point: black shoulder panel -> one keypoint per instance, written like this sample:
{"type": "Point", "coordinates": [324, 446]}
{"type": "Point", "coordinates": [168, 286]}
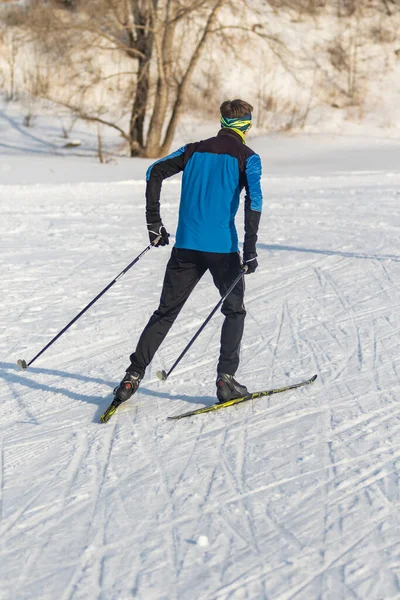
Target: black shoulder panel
{"type": "Point", "coordinates": [226, 142]}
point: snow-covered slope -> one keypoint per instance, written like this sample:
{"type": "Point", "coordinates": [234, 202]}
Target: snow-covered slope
{"type": "Point", "coordinates": [293, 496]}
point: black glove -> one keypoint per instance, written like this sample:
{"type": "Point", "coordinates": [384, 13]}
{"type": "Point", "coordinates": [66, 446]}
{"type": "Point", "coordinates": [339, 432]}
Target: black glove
{"type": "Point", "coordinates": [156, 229]}
{"type": "Point", "coordinates": [250, 261]}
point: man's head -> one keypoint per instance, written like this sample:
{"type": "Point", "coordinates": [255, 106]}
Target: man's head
{"type": "Point", "coordinates": [235, 109]}
{"type": "Point", "coordinates": [236, 115]}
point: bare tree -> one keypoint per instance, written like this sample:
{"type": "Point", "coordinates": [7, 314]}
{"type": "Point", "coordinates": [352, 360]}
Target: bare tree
{"type": "Point", "coordinates": [129, 64]}
{"type": "Point", "coordinates": [11, 41]}
{"type": "Point", "coordinates": [149, 33]}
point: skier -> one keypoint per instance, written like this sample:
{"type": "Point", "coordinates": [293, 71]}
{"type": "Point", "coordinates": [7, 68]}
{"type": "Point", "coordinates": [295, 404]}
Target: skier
{"type": "Point", "coordinates": [214, 173]}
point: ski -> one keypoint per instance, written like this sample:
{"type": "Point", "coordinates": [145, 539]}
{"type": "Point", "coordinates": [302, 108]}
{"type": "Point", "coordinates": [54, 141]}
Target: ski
{"type": "Point", "coordinates": [108, 413]}
{"type": "Point", "coordinates": [251, 396]}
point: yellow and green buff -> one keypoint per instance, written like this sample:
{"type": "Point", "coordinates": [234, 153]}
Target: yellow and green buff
{"type": "Point", "coordinates": [239, 124]}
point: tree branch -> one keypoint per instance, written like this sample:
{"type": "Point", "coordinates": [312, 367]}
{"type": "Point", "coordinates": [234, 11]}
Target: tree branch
{"type": "Point", "coordinates": [86, 117]}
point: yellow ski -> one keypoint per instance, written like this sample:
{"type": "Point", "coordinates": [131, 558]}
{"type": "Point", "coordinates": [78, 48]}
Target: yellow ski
{"type": "Point", "coordinates": [108, 413]}
{"type": "Point", "coordinates": [252, 396]}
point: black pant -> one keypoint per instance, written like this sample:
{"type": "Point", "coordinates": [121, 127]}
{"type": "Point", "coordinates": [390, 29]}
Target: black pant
{"type": "Point", "coordinates": [184, 270]}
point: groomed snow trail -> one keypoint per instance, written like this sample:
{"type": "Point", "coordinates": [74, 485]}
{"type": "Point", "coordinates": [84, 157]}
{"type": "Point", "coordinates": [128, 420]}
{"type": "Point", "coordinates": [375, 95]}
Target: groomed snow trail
{"type": "Point", "coordinates": [295, 496]}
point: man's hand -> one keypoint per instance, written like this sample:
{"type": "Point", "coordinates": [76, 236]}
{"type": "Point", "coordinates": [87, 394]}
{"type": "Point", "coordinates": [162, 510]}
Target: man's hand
{"type": "Point", "coordinates": [155, 230]}
{"type": "Point", "coordinates": [250, 261]}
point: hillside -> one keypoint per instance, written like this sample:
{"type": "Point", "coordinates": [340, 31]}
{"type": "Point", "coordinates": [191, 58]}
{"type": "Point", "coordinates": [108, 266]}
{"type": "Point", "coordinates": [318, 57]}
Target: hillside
{"type": "Point", "coordinates": [316, 67]}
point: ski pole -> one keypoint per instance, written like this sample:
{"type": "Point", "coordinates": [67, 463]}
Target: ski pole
{"type": "Point", "coordinates": [163, 375]}
{"type": "Point", "coordinates": [24, 365]}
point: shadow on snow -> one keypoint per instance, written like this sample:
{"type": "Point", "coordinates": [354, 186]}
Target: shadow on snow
{"type": "Point", "coordinates": [12, 374]}
{"type": "Point", "coordinates": [280, 248]}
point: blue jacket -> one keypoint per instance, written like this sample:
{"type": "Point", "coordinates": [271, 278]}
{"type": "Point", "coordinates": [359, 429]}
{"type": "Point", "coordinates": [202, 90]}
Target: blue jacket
{"type": "Point", "coordinates": [215, 171]}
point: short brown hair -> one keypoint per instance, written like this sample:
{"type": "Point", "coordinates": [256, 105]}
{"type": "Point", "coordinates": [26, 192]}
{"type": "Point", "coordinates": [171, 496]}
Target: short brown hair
{"type": "Point", "coordinates": [231, 109]}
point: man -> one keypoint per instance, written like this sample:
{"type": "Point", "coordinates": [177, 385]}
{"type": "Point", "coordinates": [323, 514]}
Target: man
{"type": "Point", "coordinates": [214, 173]}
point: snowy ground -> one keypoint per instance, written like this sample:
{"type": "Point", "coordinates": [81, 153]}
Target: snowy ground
{"type": "Point", "coordinates": [295, 496]}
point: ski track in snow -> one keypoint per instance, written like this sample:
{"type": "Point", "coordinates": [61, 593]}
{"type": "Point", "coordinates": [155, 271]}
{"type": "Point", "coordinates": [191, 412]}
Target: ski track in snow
{"type": "Point", "coordinates": [298, 494]}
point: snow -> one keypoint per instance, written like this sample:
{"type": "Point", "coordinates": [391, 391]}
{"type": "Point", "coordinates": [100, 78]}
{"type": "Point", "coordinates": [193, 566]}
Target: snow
{"type": "Point", "coordinates": [295, 496]}
{"type": "Point", "coordinates": [203, 541]}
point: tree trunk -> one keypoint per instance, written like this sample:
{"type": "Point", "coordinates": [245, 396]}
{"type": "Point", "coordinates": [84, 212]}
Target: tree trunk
{"type": "Point", "coordinates": [184, 84]}
{"type": "Point", "coordinates": [136, 125]}
{"type": "Point", "coordinates": [144, 44]}
{"type": "Point", "coordinates": [164, 49]}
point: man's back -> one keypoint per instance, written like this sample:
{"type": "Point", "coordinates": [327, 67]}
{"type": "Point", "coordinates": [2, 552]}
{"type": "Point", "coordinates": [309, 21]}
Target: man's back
{"type": "Point", "coordinates": [213, 177]}
{"type": "Point", "coordinates": [214, 173]}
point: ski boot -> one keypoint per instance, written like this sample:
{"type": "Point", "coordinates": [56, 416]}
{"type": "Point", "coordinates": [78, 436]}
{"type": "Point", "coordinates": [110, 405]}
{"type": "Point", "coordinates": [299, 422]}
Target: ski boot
{"type": "Point", "coordinates": [228, 388]}
{"type": "Point", "coordinates": [128, 386]}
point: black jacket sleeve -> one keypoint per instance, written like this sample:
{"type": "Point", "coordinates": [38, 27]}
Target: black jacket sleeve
{"type": "Point", "coordinates": [156, 173]}
{"type": "Point", "coordinates": [251, 224]}
{"type": "Point", "coordinates": [253, 203]}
